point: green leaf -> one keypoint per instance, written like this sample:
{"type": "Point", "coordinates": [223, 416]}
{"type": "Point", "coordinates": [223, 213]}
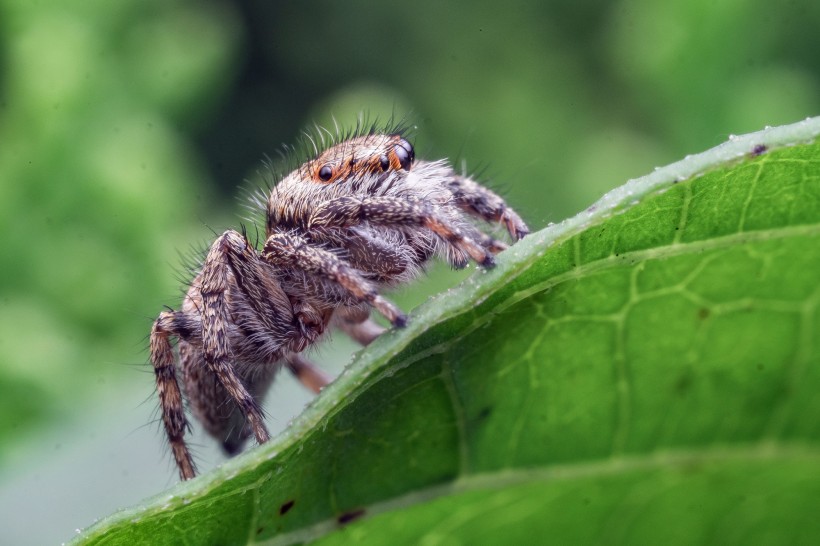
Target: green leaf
{"type": "Point", "coordinates": [643, 372]}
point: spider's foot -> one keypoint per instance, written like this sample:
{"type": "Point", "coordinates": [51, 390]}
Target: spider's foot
{"type": "Point", "coordinates": [400, 321]}
{"type": "Point", "coordinates": [488, 262]}
{"type": "Point", "coordinates": [391, 312]}
{"type": "Point", "coordinates": [495, 246]}
{"type": "Point", "coordinates": [516, 227]}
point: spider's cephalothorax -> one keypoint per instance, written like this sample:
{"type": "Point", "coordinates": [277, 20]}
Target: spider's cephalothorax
{"type": "Point", "coordinates": [358, 217]}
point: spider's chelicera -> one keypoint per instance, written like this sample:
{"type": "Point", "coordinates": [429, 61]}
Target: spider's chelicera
{"type": "Point", "coordinates": [360, 216]}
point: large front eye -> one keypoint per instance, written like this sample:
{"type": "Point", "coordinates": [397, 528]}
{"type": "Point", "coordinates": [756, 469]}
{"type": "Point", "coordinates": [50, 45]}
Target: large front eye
{"type": "Point", "coordinates": [326, 173]}
{"type": "Point", "coordinates": [405, 154]}
{"type": "Point", "coordinates": [384, 162]}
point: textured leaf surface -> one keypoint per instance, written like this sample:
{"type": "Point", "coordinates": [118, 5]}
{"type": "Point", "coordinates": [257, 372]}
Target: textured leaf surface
{"type": "Point", "coordinates": [646, 371]}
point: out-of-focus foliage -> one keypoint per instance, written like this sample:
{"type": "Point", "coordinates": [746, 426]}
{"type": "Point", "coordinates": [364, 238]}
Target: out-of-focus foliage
{"type": "Point", "coordinates": [126, 126]}
{"type": "Point", "coordinates": [96, 168]}
{"type": "Point", "coordinates": [559, 100]}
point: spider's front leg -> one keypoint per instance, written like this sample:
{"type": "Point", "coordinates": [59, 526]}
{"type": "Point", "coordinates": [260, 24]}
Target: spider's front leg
{"type": "Point", "coordinates": [479, 201]}
{"type": "Point", "coordinates": [292, 250]}
{"type": "Point", "coordinates": [392, 211]}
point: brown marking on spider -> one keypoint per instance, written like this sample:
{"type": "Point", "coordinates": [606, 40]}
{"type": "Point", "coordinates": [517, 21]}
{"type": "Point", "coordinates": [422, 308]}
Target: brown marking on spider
{"type": "Point", "coordinates": [361, 216]}
{"type": "Point", "coordinates": [367, 154]}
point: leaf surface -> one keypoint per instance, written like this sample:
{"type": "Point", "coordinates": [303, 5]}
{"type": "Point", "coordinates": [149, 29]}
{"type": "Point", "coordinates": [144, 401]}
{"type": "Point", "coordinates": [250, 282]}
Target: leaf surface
{"type": "Point", "coordinates": [643, 372]}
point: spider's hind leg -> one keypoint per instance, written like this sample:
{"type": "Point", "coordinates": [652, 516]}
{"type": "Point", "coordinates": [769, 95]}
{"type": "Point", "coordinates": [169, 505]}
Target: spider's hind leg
{"type": "Point", "coordinates": [170, 396]}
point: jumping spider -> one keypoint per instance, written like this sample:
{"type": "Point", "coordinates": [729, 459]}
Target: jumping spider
{"type": "Point", "coordinates": [361, 216]}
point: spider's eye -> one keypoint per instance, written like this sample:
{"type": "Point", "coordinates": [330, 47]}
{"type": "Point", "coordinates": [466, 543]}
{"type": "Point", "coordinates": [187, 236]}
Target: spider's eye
{"type": "Point", "coordinates": [326, 173]}
{"type": "Point", "coordinates": [405, 154]}
{"type": "Point", "coordinates": [384, 162]}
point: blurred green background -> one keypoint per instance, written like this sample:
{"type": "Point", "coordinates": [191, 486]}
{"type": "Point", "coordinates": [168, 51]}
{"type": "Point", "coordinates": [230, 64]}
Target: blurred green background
{"type": "Point", "coordinates": [126, 128]}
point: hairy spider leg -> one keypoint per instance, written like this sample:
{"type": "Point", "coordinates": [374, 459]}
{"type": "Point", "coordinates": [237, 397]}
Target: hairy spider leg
{"type": "Point", "coordinates": [479, 201]}
{"type": "Point", "coordinates": [170, 397]}
{"type": "Point", "coordinates": [347, 211]}
{"type": "Point", "coordinates": [357, 324]}
{"type": "Point", "coordinates": [291, 250]}
{"type": "Point", "coordinates": [306, 372]}
{"type": "Point", "coordinates": [215, 343]}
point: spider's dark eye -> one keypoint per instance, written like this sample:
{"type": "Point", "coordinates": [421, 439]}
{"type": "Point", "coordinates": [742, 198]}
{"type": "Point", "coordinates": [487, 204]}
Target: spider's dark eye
{"type": "Point", "coordinates": [384, 162]}
{"type": "Point", "coordinates": [405, 154]}
{"type": "Point", "coordinates": [326, 173]}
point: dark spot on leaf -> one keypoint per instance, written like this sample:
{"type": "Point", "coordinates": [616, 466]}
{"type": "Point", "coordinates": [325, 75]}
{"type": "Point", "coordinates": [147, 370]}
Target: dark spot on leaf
{"type": "Point", "coordinates": [285, 507]}
{"type": "Point", "coordinates": [760, 367]}
{"type": "Point", "coordinates": [259, 531]}
{"type": "Point", "coordinates": [703, 313]}
{"type": "Point", "coordinates": [484, 413]}
{"type": "Point", "coordinates": [760, 149]}
{"type": "Point", "coordinates": [353, 515]}
{"type": "Point", "coordinates": [587, 501]}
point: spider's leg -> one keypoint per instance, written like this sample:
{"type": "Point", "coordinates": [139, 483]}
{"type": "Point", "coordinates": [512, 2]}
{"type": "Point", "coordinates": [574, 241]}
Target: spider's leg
{"type": "Point", "coordinates": [306, 372]}
{"type": "Point", "coordinates": [362, 332]}
{"type": "Point", "coordinates": [357, 324]}
{"type": "Point", "coordinates": [173, 411]}
{"type": "Point", "coordinates": [263, 322]}
{"type": "Point", "coordinates": [209, 401]}
{"type": "Point", "coordinates": [353, 321]}
{"type": "Point", "coordinates": [292, 250]}
{"type": "Point", "coordinates": [383, 260]}
{"type": "Point", "coordinates": [215, 321]}
{"type": "Point", "coordinates": [477, 200]}
{"type": "Point", "coordinates": [393, 211]}
{"type": "Point", "coordinates": [493, 245]}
